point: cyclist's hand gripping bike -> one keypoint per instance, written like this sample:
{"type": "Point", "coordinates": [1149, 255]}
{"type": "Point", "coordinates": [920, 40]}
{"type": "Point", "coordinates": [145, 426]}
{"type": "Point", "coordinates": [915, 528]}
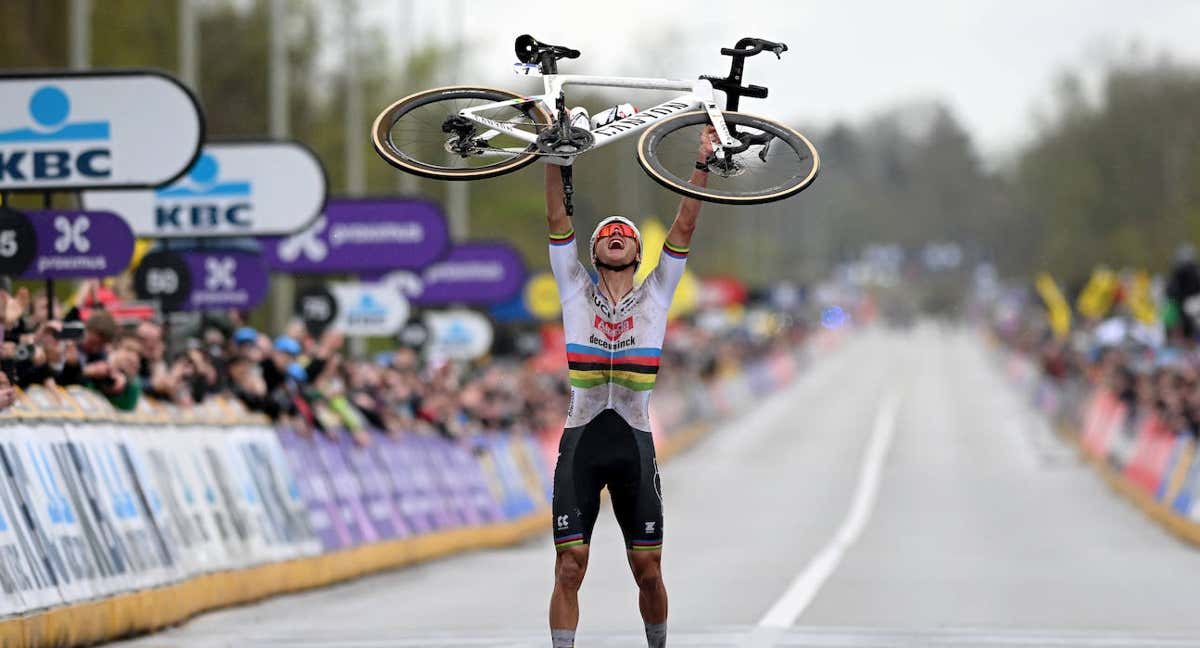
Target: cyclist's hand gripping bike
{"type": "Point", "coordinates": [471, 133]}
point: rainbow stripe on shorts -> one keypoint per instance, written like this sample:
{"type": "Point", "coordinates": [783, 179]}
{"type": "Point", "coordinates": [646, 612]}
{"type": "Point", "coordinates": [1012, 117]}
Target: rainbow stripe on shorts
{"type": "Point", "coordinates": [568, 541]}
{"type": "Point", "coordinates": [646, 545]}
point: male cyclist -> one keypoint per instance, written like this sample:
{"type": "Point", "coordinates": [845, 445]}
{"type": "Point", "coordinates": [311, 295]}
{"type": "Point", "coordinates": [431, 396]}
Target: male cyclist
{"type": "Point", "coordinates": [614, 332]}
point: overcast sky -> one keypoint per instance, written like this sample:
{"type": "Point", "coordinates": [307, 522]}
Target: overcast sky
{"type": "Point", "coordinates": [993, 61]}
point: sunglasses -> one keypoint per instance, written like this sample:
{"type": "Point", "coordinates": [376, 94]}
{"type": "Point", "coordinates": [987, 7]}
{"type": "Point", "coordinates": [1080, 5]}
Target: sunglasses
{"type": "Point", "coordinates": [613, 229]}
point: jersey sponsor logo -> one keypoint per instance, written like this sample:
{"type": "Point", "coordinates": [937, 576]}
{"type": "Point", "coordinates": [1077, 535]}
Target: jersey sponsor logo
{"type": "Point", "coordinates": [614, 330]}
{"type": "Point", "coordinates": [612, 346]}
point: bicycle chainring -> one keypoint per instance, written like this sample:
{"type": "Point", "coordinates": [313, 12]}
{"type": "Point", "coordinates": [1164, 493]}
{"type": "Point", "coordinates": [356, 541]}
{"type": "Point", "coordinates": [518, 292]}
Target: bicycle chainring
{"type": "Point", "coordinates": [577, 140]}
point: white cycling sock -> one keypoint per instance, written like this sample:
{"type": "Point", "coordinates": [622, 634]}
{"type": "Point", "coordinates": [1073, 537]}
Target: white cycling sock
{"type": "Point", "coordinates": [562, 638]}
{"type": "Point", "coordinates": [656, 635]}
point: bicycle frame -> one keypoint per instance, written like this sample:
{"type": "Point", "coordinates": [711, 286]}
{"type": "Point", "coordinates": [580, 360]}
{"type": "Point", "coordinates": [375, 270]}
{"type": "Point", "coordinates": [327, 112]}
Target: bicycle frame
{"type": "Point", "coordinates": [699, 94]}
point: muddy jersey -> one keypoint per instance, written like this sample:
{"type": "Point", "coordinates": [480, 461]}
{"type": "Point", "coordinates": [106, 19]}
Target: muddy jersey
{"type": "Point", "coordinates": [612, 351]}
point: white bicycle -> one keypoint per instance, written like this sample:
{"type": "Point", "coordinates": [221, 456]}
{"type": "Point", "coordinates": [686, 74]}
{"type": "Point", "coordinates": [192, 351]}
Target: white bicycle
{"type": "Point", "coordinates": [472, 133]}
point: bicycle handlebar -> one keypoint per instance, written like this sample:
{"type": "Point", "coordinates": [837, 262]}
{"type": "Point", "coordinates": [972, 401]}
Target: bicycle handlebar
{"type": "Point", "coordinates": [752, 46]}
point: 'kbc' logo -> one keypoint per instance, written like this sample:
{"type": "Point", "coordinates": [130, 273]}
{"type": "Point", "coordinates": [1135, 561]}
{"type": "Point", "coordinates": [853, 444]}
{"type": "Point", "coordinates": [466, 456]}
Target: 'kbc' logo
{"type": "Point", "coordinates": [202, 200]}
{"type": "Point", "coordinates": [53, 148]}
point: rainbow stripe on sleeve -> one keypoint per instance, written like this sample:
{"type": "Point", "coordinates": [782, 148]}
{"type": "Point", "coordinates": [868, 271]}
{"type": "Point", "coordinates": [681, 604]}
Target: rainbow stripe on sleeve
{"type": "Point", "coordinates": [635, 369]}
{"type": "Point", "coordinates": [562, 239]}
{"type": "Point", "coordinates": [675, 251]}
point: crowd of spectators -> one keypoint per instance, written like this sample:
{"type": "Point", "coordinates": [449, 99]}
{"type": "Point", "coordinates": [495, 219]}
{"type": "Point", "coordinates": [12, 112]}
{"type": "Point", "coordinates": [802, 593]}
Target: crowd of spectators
{"type": "Point", "coordinates": [309, 381]}
{"type": "Point", "coordinates": [1153, 368]}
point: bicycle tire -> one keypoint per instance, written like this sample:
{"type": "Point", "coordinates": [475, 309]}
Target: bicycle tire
{"type": "Point", "coordinates": [395, 156]}
{"type": "Point", "coordinates": [651, 139]}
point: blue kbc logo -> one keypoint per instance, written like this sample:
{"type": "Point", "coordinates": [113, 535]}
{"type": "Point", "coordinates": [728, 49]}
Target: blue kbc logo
{"type": "Point", "coordinates": [202, 200]}
{"type": "Point", "coordinates": [54, 149]}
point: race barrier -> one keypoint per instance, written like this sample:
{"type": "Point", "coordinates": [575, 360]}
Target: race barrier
{"type": "Point", "coordinates": [1135, 452]}
{"type": "Point", "coordinates": [113, 524]}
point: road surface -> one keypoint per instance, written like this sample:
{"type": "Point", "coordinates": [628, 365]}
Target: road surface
{"type": "Point", "coordinates": [900, 493]}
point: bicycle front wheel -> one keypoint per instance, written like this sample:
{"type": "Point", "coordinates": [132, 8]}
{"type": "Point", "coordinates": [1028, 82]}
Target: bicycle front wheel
{"type": "Point", "coordinates": [777, 162]}
{"type": "Point", "coordinates": [421, 134]}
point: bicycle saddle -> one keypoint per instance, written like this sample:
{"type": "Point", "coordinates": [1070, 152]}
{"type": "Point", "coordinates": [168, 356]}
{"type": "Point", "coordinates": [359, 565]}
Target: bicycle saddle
{"type": "Point", "coordinates": [530, 50]}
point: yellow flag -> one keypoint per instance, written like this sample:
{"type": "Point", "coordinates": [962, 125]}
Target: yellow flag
{"type": "Point", "coordinates": [541, 296]}
{"type": "Point", "coordinates": [1141, 302]}
{"type": "Point", "coordinates": [1097, 297]}
{"type": "Point", "coordinates": [687, 293]}
{"type": "Point", "coordinates": [1056, 304]}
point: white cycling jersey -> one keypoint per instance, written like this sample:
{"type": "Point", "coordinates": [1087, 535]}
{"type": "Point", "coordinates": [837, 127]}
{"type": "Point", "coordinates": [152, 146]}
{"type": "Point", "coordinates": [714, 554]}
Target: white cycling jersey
{"type": "Point", "coordinates": [612, 352]}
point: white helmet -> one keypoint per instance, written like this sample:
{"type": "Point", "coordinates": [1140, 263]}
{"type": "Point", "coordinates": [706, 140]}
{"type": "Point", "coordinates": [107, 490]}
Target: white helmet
{"type": "Point", "coordinates": [616, 219]}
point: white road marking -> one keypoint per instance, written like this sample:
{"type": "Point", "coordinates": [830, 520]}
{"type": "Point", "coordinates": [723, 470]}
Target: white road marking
{"type": "Point", "coordinates": [806, 585]}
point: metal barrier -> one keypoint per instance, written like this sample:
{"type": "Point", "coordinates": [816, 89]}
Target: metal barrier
{"type": "Point", "coordinates": [114, 523]}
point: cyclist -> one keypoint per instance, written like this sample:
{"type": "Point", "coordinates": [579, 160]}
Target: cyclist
{"type": "Point", "coordinates": [614, 334]}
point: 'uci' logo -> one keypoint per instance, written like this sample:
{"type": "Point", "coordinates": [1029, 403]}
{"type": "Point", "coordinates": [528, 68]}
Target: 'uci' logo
{"type": "Point", "coordinates": [54, 148]}
{"type": "Point", "coordinates": [202, 200]}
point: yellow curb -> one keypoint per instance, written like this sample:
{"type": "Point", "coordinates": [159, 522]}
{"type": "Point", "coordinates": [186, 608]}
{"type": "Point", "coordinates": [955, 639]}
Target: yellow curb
{"type": "Point", "coordinates": [1165, 516]}
{"type": "Point", "coordinates": [153, 609]}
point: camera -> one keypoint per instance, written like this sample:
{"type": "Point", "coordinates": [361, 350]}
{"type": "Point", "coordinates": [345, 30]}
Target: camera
{"type": "Point", "coordinates": [24, 353]}
{"type": "Point", "coordinates": [71, 331]}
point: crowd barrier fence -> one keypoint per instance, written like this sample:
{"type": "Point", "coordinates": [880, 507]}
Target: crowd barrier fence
{"type": "Point", "coordinates": [1135, 452]}
{"type": "Point", "coordinates": [117, 523]}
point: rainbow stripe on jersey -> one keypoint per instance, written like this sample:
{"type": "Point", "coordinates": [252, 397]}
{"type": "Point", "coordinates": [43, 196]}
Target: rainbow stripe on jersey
{"type": "Point", "coordinates": [635, 369]}
{"type": "Point", "coordinates": [566, 238]}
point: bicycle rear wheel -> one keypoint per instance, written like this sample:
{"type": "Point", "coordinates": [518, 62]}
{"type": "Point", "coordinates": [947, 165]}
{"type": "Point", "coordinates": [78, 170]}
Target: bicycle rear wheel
{"type": "Point", "coordinates": [409, 134]}
{"type": "Point", "coordinates": [781, 164]}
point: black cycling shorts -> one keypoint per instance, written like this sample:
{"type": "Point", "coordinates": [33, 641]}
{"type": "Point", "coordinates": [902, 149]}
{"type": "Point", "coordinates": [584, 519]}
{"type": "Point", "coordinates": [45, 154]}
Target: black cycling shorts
{"type": "Point", "coordinates": [607, 452]}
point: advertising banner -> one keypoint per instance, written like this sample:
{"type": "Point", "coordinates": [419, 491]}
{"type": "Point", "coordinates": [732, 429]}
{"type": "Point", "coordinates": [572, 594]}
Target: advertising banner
{"type": "Point", "coordinates": [376, 492]}
{"type": "Point", "coordinates": [324, 515]}
{"type": "Point", "coordinates": [18, 242]}
{"type": "Point", "coordinates": [368, 309]}
{"type": "Point", "coordinates": [472, 273]}
{"type": "Point", "coordinates": [362, 236]}
{"type": "Point", "coordinates": [457, 335]}
{"type": "Point", "coordinates": [233, 189]}
{"type": "Point", "coordinates": [95, 130]}
{"type": "Point", "coordinates": [222, 279]}
{"type": "Point", "coordinates": [55, 523]}
{"type": "Point", "coordinates": [346, 489]}
{"type": "Point", "coordinates": [78, 244]}
{"type": "Point", "coordinates": [407, 498]}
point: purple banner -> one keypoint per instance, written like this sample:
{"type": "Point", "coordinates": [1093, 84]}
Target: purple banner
{"type": "Point", "coordinates": [473, 273]}
{"type": "Point", "coordinates": [376, 491]}
{"type": "Point", "coordinates": [345, 489]}
{"type": "Point", "coordinates": [224, 279]}
{"type": "Point", "coordinates": [415, 507]}
{"type": "Point", "coordinates": [323, 511]}
{"type": "Point", "coordinates": [73, 243]}
{"type": "Point", "coordinates": [364, 236]}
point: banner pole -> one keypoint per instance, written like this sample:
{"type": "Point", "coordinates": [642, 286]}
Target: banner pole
{"type": "Point", "coordinates": [46, 200]}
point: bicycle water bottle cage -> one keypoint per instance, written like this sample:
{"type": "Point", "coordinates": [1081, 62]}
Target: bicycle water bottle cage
{"type": "Point", "coordinates": [731, 85]}
{"type": "Point", "coordinates": [530, 50]}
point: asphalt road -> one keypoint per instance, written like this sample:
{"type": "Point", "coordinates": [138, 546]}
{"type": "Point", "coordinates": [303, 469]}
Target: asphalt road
{"type": "Point", "coordinates": [900, 493]}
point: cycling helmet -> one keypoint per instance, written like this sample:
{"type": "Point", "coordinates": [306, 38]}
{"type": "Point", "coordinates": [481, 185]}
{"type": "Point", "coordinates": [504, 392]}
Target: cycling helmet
{"type": "Point", "coordinates": [637, 261]}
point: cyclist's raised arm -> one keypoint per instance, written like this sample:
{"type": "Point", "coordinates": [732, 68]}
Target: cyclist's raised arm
{"type": "Point", "coordinates": [569, 273]}
{"type": "Point", "coordinates": [556, 212]}
{"type": "Point", "coordinates": [680, 235]}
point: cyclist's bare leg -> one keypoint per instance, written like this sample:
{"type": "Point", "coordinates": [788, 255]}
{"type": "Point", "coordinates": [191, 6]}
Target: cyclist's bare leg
{"type": "Point", "coordinates": [569, 567]}
{"type": "Point", "coordinates": [652, 594]}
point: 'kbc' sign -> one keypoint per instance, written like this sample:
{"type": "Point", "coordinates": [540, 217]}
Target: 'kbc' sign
{"type": "Point", "coordinates": [233, 189]}
{"type": "Point", "coordinates": [95, 130]}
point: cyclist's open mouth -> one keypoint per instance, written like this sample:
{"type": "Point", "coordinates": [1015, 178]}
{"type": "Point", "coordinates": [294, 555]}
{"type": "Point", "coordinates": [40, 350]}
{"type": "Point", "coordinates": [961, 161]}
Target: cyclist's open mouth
{"type": "Point", "coordinates": [616, 244]}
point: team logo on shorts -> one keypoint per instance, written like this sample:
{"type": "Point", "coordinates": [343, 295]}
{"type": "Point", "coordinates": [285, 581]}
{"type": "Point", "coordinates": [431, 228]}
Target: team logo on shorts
{"type": "Point", "coordinates": [649, 527]}
{"type": "Point", "coordinates": [614, 330]}
{"type": "Point", "coordinates": [561, 521]}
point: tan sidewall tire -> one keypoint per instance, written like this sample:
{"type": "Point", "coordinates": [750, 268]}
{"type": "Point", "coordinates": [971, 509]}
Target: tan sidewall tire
{"type": "Point", "coordinates": [384, 122]}
{"type": "Point", "coordinates": [687, 190]}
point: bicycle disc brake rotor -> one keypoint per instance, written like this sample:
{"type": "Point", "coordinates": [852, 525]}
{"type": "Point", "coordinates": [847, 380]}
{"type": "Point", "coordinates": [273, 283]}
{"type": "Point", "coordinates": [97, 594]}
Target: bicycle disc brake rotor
{"type": "Point", "coordinates": [463, 142]}
{"type": "Point", "coordinates": [576, 141]}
